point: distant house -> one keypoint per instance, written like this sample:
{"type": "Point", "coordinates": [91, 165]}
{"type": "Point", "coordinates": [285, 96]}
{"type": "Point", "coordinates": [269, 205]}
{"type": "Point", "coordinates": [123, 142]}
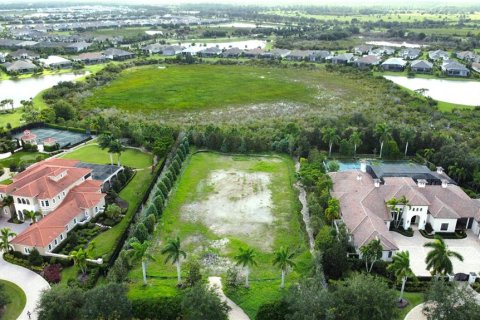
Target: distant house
{"type": "Point", "coordinates": [275, 54]}
{"type": "Point", "coordinates": [57, 62]}
{"type": "Point", "coordinates": [253, 53]}
{"type": "Point", "coordinates": [3, 55]}
{"type": "Point", "coordinates": [438, 55]}
{"type": "Point", "coordinates": [232, 53]}
{"type": "Point", "coordinates": [466, 56]}
{"type": "Point", "coordinates": [421, 66]}
{"type": "Point", "coordinates": [410, 53]}
{"type": "Point", "coordinates": [211, 52]}
{"type": "Point", "coordinates": [383, 51]}
{"type": "Point", "coordinates": [118, 54]}
{"type": "Point", "coordinates": [367, 61]}
{"type": "Point", "coordinates": [77, 46]}
{"type": "Point", "coordinates": [24, 54]}
{"type": "Point", "coordinates": [172, 50]}
{"type": "Point", "coordinates": [153, 48]}
{"type": "Point", "coordinates": [394, 64]}
{"type": "Point", "coordinates": [20, 66]}
{"type": "Point", "coordinates": [320, 55]}
{"type": "Point", "coordinates": [454, 68]}
{"type": "Point", "coordinates": [343, 58]}
{"type": "Point", "coordinates": [90, 58]}
{"type": "Point", "coordinates": [476, 67]}
{"type": "Point", "coordinates": [362, 49]}
{"type": "Point", "coordinates": [9, 43]}
{"type": "Point", "coordinates": [299, 55]}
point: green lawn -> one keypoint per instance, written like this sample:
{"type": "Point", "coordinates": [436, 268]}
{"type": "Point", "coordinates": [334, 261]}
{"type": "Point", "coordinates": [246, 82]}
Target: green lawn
{"type": "Point", "coordinates": [23, 156]}
{"type": "Point", "coordinates": [17, 300]}
{"type": "Point", "coordinates": [133, 194]}
{"type": "Point", "coordinates": [198, 236]}
{"type": "Point", "coordinates": [14, 119]}
{"type": "Point", "coordinates": [200, 86]}
{"type": "Point", "coordinates": [414, 298]}
{"type": "Point", "coordinates": [93, 154]}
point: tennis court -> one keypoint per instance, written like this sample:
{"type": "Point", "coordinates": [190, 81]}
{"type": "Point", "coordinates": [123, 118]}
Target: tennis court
{"type": "Point", "coordinates": [62, 137]}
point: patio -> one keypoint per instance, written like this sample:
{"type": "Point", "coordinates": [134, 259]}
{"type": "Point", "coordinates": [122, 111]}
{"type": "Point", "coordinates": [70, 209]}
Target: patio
{"type": "Point", "coordinates": [17, 228]}
{"type": "Point", "coordinates": [469, 248]}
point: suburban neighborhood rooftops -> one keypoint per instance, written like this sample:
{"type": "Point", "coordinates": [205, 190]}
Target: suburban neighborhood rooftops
{"type": "Point", "coordinates": [395, 61]}
{"type": "Point", "coordinates": [454, 65]}
{"type": "Point", "coordinates": [52, 60]}
{"type": "Point", "coordinates": [410, 169]}
{"type": "Point", "coordinates": [19, 65]}
{"type": "Point", "coordinates": [421, 64]}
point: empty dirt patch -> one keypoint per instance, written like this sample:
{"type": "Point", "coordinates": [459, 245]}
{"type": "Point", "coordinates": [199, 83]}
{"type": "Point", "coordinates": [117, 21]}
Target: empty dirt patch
{"type": "Point", "coordinates": [237, 203]}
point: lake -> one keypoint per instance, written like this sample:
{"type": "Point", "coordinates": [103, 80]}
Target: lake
{"type": "Point", "coordinates": [248, 25]}
{"type": "Point", "coordinates": [453, 91]}
{"type": "Point", "coordinates": [24, 89]}
{"type": "Point", "coordinates": [395, 44]}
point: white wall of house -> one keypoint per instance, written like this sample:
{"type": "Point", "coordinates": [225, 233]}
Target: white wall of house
{"type": "Point", "coordinates": [25, 203]}
{"type": "Point", "coordinates": [412, 211]}
{"type": "Point", "coordinates": [442, 225]}
{"type": "Point", "coordinates": [476, 227]}
{"type": "Point", "coordinates": [387, 255]}
{"type": "Point", "coordinates": [54, 202]}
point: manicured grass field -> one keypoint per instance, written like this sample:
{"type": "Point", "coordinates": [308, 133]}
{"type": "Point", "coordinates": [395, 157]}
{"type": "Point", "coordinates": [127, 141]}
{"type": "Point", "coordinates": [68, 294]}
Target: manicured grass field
{"type": "Point", "coordinates": [17, 301]}
{"type": "Point", "coordinates": [200, 86]}
{"type": "Point", "coordinates": [414, 299]}
{"type": "Point", "coordinates": [93, 154]}
{"type": "Point", "coordinates": [23, 156]}
{"type": "Point", "coordinates": [198, 236]}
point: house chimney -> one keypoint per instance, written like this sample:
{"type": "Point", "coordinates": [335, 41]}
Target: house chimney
{"type": "Point", "coordinates": [421, 183]}
{"type": "Point", "coordinates": [439, 170]}
{"type": "Point", "coordinates": [359, 177]}
{"type": "Point", "coordinates": [376, 182]}
{"type": "Point", "coordinates": [444, 183]}
{"type": "Point", "coordinates": [363, 165]}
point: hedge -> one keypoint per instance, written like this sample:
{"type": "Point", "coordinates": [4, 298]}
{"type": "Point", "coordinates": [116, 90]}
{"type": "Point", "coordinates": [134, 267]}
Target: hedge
{"type": "Point", "coordinates": [165, 308]}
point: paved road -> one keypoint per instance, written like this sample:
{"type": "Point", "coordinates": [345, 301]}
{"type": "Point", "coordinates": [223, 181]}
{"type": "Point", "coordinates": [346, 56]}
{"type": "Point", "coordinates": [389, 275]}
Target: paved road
{"type": "Point", "coordinates": [416, 313]}
{"type": "Point", "coordinates": [30, 282]}
{"type": "Point", "coordinates": [236, 313]}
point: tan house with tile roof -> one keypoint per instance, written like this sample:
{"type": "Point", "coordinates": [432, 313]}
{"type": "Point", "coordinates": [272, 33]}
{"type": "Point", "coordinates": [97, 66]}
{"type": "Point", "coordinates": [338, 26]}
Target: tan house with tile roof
{"type": "Point", "coordinates": [363, 206]}
{"type": "Point", "coordinates": [64, 194]}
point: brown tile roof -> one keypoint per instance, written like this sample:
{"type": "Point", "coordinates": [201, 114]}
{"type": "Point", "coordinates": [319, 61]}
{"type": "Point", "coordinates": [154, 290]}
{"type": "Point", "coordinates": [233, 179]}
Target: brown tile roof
{"type": "Point", "coordinates": [81, 197]}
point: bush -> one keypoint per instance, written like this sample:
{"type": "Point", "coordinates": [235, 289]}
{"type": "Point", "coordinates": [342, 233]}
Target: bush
{"type": "Point", "coordinates": [52, 273]}
{"type": "Point", "coordinates": [149, 222]}
{"type": "Point", "coordinates": [159, 202]}
{"type": "Point", "coordinates": [233, 278]}
{"type": "Point", "coordinates": [151, 308]}
{"type": "Point", "coordinates": [151, 210]}
{"type": "Point", "coordinates": [141, 232]}
{"type": "Point", "coordinates": [35, 258]}
{"type": "Point", "coordinates": [272, 311]}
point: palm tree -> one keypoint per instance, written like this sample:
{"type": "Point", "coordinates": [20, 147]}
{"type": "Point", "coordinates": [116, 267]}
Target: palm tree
{"type": "Point", "coordinates": [371, 253]}
{"type": "Point", "coordinates": [330, 136]}
{"type": "Point", "coordinates": [438, 259]}
{"type": "Point", "coordinates": [401, 269]}
{"type": "Point", "coordinates": [333, 210]}
{"type": "Point", "coordinates": [457, 172]}
{"type": "Point", "coordinates": [174, 253]}
{"type": "Point", "coordinates": [356, 140]}
{"type": "Point", "coordinates": [283, 259]}
{"type": "Point", "coordinates": [392, 205]}
{"type": "Point", "coordinates": [139, 252]}
{"type": "Point", "coordinates": [104, 142]}
{"type": "Point", "coordinates": [382, 130]}
{"type": "Point", "coordinates": [407, 134]}
{"type": "Point", "coordinates": [79, 258]}
{"type": "Point", "coordinates": [116, 147]}
{"type": "Point", "coordinates": [428, 153]}
{"type": "Point", "coordinates": [246, 258]}
{"type": "Point", "coordinates": [32, 215]}
{"type": "Point", "coordinates": [5, 235]}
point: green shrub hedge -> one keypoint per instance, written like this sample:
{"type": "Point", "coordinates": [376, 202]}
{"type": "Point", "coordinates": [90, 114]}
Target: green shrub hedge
{"type": "Point", "coordinates": [165, 308]}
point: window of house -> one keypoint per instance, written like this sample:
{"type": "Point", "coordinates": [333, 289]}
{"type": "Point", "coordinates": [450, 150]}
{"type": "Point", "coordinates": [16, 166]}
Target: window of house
{"type": "Point", "coordinates": [18, 200]}
{"type": "Point", "coordinates": [49, 247]}
{"type": "Point", "coordinates": [56, 242]}
{"type": "Point", "coordinates": [63, 193]}
{"type": "Point", "coordinates": [53, 200]}
{"type": "Point", "coordinates": [389, 254]}
{"type": "Point", "coordinates": [26, 250]}
{"type": "Point", "coordinates": [28, 201]}
{"type": "Point", "coordinates": [74, 220]}
{"type": "Point", "coordinates": [46, 203]}
{"type": "Point", "coordinates": [61, 236]}
{"type": "Point", "coordinates": [68, 227]}
{"type": "Point", "coordinates": [96, 209]}
{"type": "Point", "coordinates": [444, 226]}
{"type": "Point", "coordinates": [42, 203]}
{"type": "Point", "coordinates": [58, 197]}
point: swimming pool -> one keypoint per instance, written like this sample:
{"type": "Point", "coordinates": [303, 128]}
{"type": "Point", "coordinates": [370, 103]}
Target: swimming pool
{"type": "Point", "coordinates": [355, 164]}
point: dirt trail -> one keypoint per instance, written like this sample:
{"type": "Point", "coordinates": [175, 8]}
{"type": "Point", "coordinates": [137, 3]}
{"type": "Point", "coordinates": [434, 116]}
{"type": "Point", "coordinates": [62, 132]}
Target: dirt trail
{"type": "Point", "coordinates": [235, 313]}
{"type": "Point", "coordinates": [305, 213]}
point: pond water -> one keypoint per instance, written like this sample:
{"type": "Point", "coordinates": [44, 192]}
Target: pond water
{"type": "Point", "coordinates": [395, 44]}
{"type": "Point", "coordinates": [245, 25]}
{"type": "Point", "coordinates": [453, 91]}
{"type": "Point", "coordinates": [246, 44]}
{"type": "Point", "coordinates": [24, 89]}
{"type": "Point", "coordinates": [153, 32]}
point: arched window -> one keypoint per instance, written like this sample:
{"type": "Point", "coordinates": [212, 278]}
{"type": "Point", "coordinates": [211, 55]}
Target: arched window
{"type": "Point", "coordinates": [28, 201]}
{"type": "Point", "coordinates": [19, 201]}
{"type": "Point", "coordinates": [23, 201]}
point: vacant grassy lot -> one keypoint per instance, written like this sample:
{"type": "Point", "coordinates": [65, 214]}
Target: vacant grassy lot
{"type": "Point", "coordinates": [17, 301]}
{"type": "Point", "coordinates": [93, 154]}
{"type": "Point", "coordinates": [23, 156]}
{"type": "Point", "coordinates": [199, 87]}
{"type": "Point", "coordinates": [223, 203]}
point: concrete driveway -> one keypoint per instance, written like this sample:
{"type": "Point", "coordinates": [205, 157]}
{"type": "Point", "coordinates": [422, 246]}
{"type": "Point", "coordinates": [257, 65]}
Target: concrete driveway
{"type": "Point", "coordinates": [469, 248]}
{"type": "Point", "coordinates": [17, 228]}
{"type": "Point", "coordinates": [30, 282]}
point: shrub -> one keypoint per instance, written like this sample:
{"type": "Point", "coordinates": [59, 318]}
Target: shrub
{"type": "Point", "coordinates": [151, 308]}
{"type": "Point", "coordinates": [52, 273]}
{"type": "Point", "coordinates": [159, 202]}
{"type": "Point", "coordinates": [35, 258]}
{"type": "Point", "coordinates": [167, 182]}
{"type": "Point", "coordinates": [149, 222]}
{"type": "Point", "coordinates": [151, 210]}
{"type": "Point", "coordinates": [113, 211]}
{"type": "Point", "coordinates": [272, 311]}
{"type": "Point", "coordinates": [141, 232]}
{"type": "Point", "coordinates": [163, 187]}
{"type": "Point", "coordinates": [233, 278]}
